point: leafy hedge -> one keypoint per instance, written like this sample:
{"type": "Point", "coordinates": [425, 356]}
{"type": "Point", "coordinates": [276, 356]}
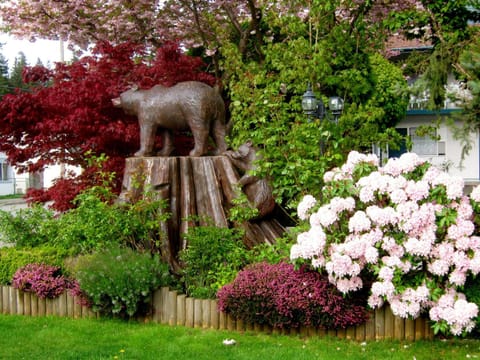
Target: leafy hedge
{"type": "Point", "coordinates": [12, 259]}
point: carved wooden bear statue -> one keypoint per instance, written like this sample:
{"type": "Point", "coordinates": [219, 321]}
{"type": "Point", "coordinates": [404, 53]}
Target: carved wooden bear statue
{"type": "Point", "coordinates": [189, 105]}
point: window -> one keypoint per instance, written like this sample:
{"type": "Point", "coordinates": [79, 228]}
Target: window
{"type": "Point", "coordinates": [3, 170]}
{"type": "Point", "coordinates": [421, 145]}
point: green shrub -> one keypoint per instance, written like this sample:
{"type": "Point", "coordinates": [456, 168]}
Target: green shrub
{"type": "Point", "coordinates": [12, 258]}
{"type": "Point", "coordinates": [97, 222]}
{"type": "Point", "coordinates": [28, 227]}
{"type": "Point", "coordinates": [119, 281]}
{"type": "Point", "coordinates": [212, 259]}
{"type": "Point", "coordinates": [272, 253]}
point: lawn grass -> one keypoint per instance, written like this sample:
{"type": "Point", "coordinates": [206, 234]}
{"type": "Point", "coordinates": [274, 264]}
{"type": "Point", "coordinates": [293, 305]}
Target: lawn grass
{"type": "Point", "coordinates": [23, 337]}
{"type": "Point", "coordinates": [11, 196]}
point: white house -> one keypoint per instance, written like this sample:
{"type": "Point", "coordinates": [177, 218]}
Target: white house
{"type": "Point", "coordinates": [444, 151]}
{"type": "Point", "coordinates": [10, 181]}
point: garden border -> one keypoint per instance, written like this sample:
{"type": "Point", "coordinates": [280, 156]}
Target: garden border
{"type": "Point", "coordinates": [175, 309]}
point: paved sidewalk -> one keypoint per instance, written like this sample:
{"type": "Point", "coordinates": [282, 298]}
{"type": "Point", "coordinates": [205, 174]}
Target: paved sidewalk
{"type": "Point", "coordinates": [12, 204]}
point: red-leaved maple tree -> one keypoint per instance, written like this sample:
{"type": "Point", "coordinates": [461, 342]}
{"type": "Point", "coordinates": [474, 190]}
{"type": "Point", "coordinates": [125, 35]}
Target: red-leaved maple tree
{"type": "Point", "coordinates": [69, 113]}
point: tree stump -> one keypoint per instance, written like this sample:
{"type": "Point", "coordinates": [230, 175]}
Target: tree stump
{"type": "Point", "coordinates": [198, 191]}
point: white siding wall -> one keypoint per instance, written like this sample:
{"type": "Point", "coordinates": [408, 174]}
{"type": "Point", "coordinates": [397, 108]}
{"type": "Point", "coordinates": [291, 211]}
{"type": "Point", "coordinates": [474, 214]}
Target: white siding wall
{"type": "Point", "coordinates": [469, 169]}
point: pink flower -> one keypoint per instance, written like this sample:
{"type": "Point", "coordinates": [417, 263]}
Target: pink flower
{"type": "Point", "coordinates": [303, 208]}
{"type": "Point", "coordinates": [439, 267]}
{"type": "Point", "coordinates": [461, 229]}
{"type": "Point", "coordinates": [431, 174]}
{"type": "Point", "coordinates": [475, 263]}
{"type": "Point", "coordinates": [475, 194]}
{"type": "Point", "coordinates": [324, 217]}
{"type": "Point", "coordinates": [392, 167]}
{"type": "Point", "coordinates": [386, 273]}
{"type": "Point", "coordinates": [329, 175]}
{"type": "Point", "coordinates": [456, 311]}
{"type": "Point", "coordinates": [318, 261]}
{"type": "Point", "coordinates": [309, 244]}
{"type": "Point", "coordinates": [418, 247]}
{"type": "Point", "coordinates": [417, 190]}
{"type": "Point", "coordinates": [338, 204]}
{"type": "Point", "coordinates": [457, 277]}
{"type": "Point", "coordinates": [409, 161]}
{"type": "Point", "coordinates": [359, 222]}
{"type": "Point", "coordinates": [366, 194]}
{"type": "Point", "coordinates": [465, 210]}
{"type": "Point", "coordinates": [354, 246]}
{"type": "Point", "coordinates": [382, 216]}
{"type": "Point", "coordinates": [399, 308]}
{"type": "Point", "coordinates": [347, 285]}
{"type": "Point", "coordinates": [375, 301]}
{"type": "Point", "coordinates": [342, 265]}
{"type": "Point", "coordinates": [398, 196]}
{"type": "Point", "coordinates": [383, 288]}
{"type": "Point", "coordinates": [371, 255]}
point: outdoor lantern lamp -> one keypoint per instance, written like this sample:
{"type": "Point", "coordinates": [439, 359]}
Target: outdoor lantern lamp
{"type": "Point", "coordinates": [314, 107]}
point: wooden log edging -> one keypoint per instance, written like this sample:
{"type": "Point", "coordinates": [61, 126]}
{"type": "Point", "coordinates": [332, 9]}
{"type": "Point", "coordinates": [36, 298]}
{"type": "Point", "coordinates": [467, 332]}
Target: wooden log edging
{"type": "Point", "coordinates": [175, 309]}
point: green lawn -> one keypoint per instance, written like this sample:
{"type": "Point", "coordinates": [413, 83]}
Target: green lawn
{"type": "Point", "coordinates": [12, 196]}
{"type": "Point", "coordinates": [51, 338]}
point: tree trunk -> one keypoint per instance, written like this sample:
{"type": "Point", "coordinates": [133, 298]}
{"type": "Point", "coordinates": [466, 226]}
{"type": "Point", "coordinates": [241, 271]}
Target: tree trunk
{"type": "Point", "coordinates": [198, 191]}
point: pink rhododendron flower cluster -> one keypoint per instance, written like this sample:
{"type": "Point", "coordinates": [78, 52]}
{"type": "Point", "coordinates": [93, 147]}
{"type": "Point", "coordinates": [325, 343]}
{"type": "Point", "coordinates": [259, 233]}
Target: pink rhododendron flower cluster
{"type": "Point", "coordinates": [407, 224]}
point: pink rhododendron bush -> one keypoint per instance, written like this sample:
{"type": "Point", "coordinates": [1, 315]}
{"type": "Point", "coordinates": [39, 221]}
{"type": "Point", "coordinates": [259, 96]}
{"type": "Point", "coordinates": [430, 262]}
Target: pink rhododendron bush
{"type": "Point", "coordinates": [408, 226]}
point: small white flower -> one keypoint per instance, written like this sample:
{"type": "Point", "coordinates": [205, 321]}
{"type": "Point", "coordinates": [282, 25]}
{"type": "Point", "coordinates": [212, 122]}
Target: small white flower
{"type": "Point", "coordinates": [229, 342]}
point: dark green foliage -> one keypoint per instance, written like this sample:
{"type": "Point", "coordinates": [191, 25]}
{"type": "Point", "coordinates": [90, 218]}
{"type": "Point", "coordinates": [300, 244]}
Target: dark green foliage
{"type": "Point", "coordinates": [472, 292]}
{"type": "Point", "coordinates": [11, 259]}
{"type": "Point", "coordinates": [266, 101]}
{"type": "Point", "coordinates": [212, 259]}
{"type": "Point", "coordinates": [119, 281]}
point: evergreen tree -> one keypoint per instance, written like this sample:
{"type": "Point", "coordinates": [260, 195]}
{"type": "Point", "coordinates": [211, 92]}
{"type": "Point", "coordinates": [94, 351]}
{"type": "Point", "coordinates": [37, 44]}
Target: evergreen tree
{"type": "Point", "coordinates": [4, 80]}
{"type": "Point", "coordinates": [16, 80]}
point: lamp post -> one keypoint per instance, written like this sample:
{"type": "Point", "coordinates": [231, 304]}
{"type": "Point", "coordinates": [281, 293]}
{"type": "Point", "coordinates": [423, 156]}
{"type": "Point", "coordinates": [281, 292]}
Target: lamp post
{"type": "Point", "coordinates": [314, 107]}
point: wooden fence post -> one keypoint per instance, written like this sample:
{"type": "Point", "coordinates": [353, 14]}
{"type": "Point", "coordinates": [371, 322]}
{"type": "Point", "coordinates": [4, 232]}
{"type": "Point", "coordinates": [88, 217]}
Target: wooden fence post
{"type": "Point", "coordinates": [157, 305]}
{"type": "Point", "coordinates": [172, 307]}
{"type": "Point", "coordinates": [5, 300]}
{"type": "Point", "coordinates": [189, 312]}
{"type": "Point", "coordinates": [206, 315]}
{"type": "Point", "coordinates": [12, 298]}
{"type": "Point", "coordinates": [19, 299]}
{"type": "Point", "coordinates": [197, 317]}
{"type": "Point", "coordinates": [214, 314]}
{"type": "Point", "coordinates": [181, 309]}
{"type": "Point", "coordinates": [41, 307]}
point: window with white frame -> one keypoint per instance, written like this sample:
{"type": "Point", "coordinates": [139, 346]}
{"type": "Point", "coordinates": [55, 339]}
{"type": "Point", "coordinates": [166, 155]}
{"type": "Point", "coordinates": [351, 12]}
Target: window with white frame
{"type": "Point", "coordinates": [426, 145]}
{"type": "Point", "coordinates": [423, 145]}
{"type": "Point", "coordinates": [3, 170]}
